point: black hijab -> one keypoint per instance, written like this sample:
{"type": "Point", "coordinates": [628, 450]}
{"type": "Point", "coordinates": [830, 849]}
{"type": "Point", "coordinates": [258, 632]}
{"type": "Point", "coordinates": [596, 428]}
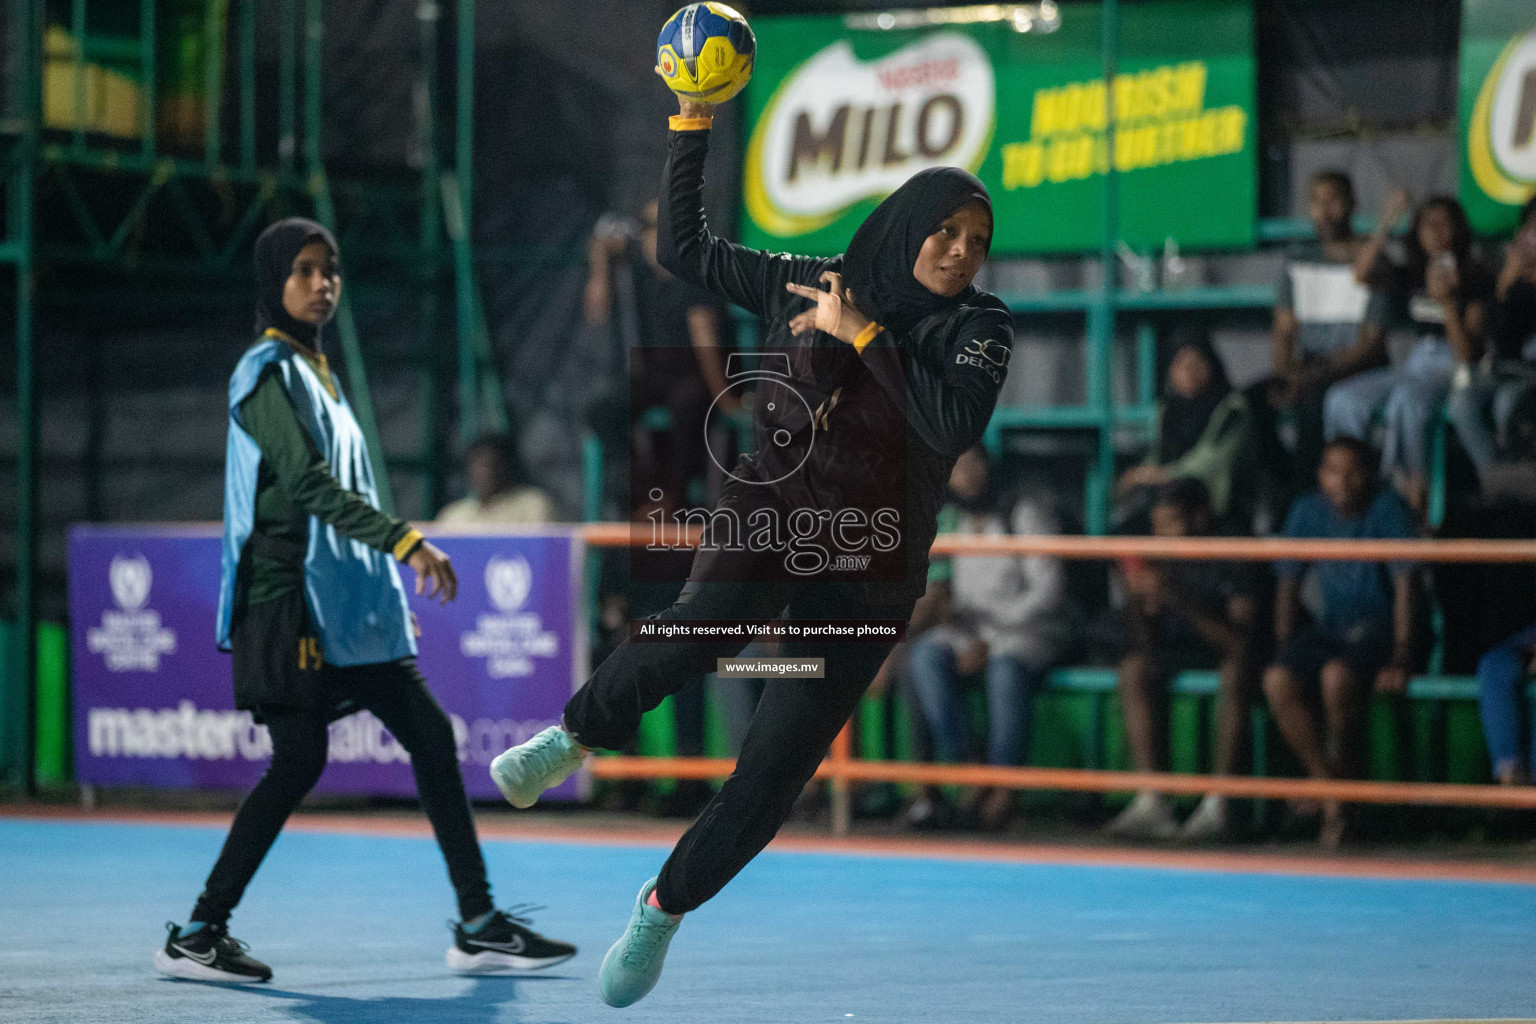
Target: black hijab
{"type": "Point", "coordinates": [878, 264]}
{"type": "Point", "coordinates": [1184, 419]}
{"type": "Point", "coordinates": [276, 249]}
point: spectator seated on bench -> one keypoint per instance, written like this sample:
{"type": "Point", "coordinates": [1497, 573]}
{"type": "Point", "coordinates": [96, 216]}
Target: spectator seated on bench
{"type": "Point", "coordinates": [1204, 432]}
{"type": "Point", "coordinates": [1365, 634]}
{"type": "Point", "coordinates": [1009, 621]}
{"type": "Point", "coordinates": [1183, 615]}
{"type": "Point", "coordinates": [1501, 675]}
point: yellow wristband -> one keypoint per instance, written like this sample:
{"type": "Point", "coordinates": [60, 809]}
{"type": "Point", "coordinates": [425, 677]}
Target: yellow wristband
{"type": "Point", "coordinates": [679, 123]}
{"type": "Point", "coordinates": [866, 336]}
{"type": "Point", "coordinates": [407, 544]}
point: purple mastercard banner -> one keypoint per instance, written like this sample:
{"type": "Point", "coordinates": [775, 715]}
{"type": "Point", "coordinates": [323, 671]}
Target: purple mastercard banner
{"type": "Point", "coordinates": [154, 699]}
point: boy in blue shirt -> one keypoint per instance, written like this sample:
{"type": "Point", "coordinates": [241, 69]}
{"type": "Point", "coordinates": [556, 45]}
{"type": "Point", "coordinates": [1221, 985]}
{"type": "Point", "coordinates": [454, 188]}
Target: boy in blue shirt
{"type": "Point", "coordinates": [1363, 636]}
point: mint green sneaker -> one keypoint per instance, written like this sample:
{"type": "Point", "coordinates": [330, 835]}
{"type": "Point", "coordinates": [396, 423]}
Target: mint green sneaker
{"type": "Point", "coordinates": [528, 769]}
{"type": "Point", "coordinates": [633, 965]}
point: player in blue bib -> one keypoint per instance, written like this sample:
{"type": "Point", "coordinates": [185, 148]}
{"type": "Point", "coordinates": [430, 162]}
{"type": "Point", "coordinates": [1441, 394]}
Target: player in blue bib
{"type": "Point", "coordinates": [312, 608]}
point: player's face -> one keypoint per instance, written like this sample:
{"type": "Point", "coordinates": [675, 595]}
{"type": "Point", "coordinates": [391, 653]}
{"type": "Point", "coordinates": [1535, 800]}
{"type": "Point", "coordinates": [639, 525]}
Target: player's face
{"type": "Point", "coordinates": [314, 285]}
{"type": "Point", "coordinates": [487, 477]}
{"type": "Point", "coordinates": [1329, 209]}
{"type": "Point", "coordinates": [951, 256]}
{"type": "Point", "coordinates": [1341, 478]}
{"type": "Point", "coordinates": [1190, 373]}
{"type": "Point", "coordinates": [1437, 231]}
{"type": "Point", "coordinates": [1169, 521]}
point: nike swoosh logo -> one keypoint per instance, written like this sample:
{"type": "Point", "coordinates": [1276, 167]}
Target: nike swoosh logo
{"type": "Point", "coordinates": [203, 958]}
{"type": "Point", "coordinates": [515, 946]}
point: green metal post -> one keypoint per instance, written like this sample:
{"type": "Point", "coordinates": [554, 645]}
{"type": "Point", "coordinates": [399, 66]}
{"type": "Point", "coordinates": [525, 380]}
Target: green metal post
{"type": "Point", "coordinates": [147, 84]}
{"type": "Point", "coordinates": [325, 208]}
{"type": "Point", "coordinates": [1437, 438]}
{"type": "Point", "coordinates": [287, 70]}
{"type": "Point", "coordinates": [314, 38]}
{"type": "Point", "coordinates": [77, 27]}
{"type": "Point", "coordinates": [247, 85]}
{"type": "Point", "coordinates": [1101, 320]}
{"type": "Point", "coordinates": [464, 153]}
{"type": "Point", "coordinates": [464, 306]}
{"type": "Point", "coordinates": [492, 402]}
{"type": "Point", "coordinates": [213, 79]}
{"type": "Point", "coordinates": [464, 127]}
{"type": "Point", "coordinates": [1146, 364]}
{"type": "Point", "coordinates": [23, 669]}
{"type": "Point", "coordinates": [434, 472]}
{"type": "Point", "coordinates": [593, 478]}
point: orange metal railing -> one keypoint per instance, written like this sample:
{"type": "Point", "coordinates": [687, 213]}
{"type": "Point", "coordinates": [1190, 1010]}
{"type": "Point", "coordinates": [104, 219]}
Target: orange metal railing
{"type": "Point", "coordinates": [841, 769]}
{"type": "Point", "coordinates": [1255, 549]}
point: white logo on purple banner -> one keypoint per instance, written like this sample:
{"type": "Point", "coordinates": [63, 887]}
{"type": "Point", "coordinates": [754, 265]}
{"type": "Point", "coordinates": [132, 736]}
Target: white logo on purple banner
{"type": "Point", "coordinates": [130, 579]}
{"type": "Point", "coordinates": [507, 582]}
{"type": "Point", "coordinates": [508, 638]}
{"type": "Point", "coordinates": [130, 638]}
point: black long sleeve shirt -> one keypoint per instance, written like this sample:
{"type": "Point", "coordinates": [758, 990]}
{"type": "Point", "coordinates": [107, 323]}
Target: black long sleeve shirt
{"type": "Point", "coordinates": [904, 409]}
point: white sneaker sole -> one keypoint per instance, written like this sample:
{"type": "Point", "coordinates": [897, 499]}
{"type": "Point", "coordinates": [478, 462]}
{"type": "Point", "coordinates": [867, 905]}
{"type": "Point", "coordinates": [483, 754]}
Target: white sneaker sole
{"type": "Point", "coordinates": [191, 970]}
{"type": "Point", "coordinates": [521, 801]}
{"type": "Point", "coordinates": [506, 790]}
{"type": "Point", "coordinates": [491, 962]}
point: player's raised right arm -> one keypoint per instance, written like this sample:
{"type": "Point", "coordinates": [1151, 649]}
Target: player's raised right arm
{"type": "Point", "coordinates": [685, 246]}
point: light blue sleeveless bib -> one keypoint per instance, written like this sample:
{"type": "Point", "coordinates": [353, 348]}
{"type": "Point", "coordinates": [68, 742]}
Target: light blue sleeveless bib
{"type": "Point", "coordinates": [353, 591]}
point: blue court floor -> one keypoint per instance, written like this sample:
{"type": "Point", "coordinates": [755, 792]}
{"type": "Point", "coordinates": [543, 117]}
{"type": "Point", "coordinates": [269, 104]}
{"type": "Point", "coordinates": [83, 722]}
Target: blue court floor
{"type": "Point", "coordinates": [353, 926]}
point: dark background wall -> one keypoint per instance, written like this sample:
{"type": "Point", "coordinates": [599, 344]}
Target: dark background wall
{"type": "Point", "coordinates": [569, 123]}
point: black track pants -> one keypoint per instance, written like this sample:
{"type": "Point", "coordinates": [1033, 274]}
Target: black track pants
{"type": "Point", "coordinates": [791, 731]}
{"type": "Point", "coordinates": [398, 696]}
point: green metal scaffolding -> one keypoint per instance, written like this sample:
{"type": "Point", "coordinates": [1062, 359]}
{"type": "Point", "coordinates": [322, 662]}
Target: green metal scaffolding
{"type": "Point", "coordinates": [297, 176]}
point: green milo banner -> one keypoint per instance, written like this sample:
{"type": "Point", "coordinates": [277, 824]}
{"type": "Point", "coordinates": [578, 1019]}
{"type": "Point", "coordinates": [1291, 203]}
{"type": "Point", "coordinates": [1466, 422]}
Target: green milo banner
{"type": "Point", "coordinates": [1498, 111]}
{"type": "Point", "coordinates": [839, 115]}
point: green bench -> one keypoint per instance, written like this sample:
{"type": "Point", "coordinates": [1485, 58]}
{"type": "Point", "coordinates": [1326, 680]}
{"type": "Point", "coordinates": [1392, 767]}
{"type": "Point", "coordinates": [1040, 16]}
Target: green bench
{"type": "Point", "coordinates": [1204, 684]}
{"type": "Point", "coordinates": [1099, 683]}
{"type": "Point", "coordinates": [1094, 686]}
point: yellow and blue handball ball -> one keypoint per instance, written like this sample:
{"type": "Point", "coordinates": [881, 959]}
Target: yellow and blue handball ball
{"type": "Point", "coordinates": [705, 52]}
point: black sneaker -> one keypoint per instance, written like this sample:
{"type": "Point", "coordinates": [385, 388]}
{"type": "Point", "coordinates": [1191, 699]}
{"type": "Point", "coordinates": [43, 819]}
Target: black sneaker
{"type": "Point", "coordinates": [503, 944]}
{"type": "Point", "coordinates": [208, 954]}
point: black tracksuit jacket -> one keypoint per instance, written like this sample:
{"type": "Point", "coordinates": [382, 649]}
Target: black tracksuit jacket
{"type": "Point", "coordinates": [910, 403]}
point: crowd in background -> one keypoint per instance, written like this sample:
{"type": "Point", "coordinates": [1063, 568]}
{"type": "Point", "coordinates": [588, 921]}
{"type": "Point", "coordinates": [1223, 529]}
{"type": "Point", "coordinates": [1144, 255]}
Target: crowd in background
{"type": "Point", "coordinates": [1338, 441]}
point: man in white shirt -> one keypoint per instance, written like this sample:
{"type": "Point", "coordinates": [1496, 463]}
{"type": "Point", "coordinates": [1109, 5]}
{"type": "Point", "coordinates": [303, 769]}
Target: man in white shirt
{"type": "Point", "coordinates": [1011, 620]}
{"type": "Point", "coordinates": [1325, 326]}
{"type": "Point", "coordinates": [496, 492]}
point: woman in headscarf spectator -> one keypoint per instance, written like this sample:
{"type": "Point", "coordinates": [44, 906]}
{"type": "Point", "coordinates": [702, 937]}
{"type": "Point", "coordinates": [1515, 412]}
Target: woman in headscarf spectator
{"type": "Point", "coordinates": [1203, 431]}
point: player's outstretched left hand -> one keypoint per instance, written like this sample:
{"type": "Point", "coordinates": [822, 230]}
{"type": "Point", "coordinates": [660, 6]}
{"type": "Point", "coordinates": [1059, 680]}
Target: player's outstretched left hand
{"type": "Point", "coordinates": [834, 312]}
{"type": "Point", "coordinates": [434, 573]}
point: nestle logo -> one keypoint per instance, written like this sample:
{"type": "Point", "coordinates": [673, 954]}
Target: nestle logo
{"type": "Point", "coordinates": [925, 73]}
